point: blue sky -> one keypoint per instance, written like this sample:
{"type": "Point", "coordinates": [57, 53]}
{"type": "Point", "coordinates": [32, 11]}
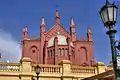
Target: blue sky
{"type": "Point", "coordinates": [14, 14]}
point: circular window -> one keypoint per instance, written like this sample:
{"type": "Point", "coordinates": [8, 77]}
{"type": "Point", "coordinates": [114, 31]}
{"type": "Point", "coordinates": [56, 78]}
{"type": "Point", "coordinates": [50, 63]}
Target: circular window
{"type": "Point", "coordinates": [33, 51]}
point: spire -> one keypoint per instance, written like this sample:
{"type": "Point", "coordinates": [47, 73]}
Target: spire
{"type": "Point", "coordinates": [72, 30]}
{"type": "Point", "coordinates": [57, 17]}
{"type": "Point", "coordinates": [57, 14]}
{"type": "Point", "coordinates": [25, 28]}
{"type": "Point", "coordinates": [42, 26]}
{"type": "Point", "coordinates": [43, 22]}
{"type": "Point", "coordinates": [89, 34]}
{"type": "Point", "coordinates": [72, 22]}
{"type": "Point", "coordinates": [89, 30]}
{"type": "Point", "coordinates": [25, 33]}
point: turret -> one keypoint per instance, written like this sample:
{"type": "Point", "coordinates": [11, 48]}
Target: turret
{"type": "Point", "coordinates": [72, 30]}
{"type": "Point", "coordinates": [42, 36]}
{"type": "Point", "coordinates": [57, 17]}
{"type": "Point", "coordinates": [89, 34]}
{"type": "Point", "coordinates": [25, 33]}
{"type": "Point", "coordinates": [42, 26]}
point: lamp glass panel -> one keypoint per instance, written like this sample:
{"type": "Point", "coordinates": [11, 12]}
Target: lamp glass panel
{"type": "Point", "coordinates": [102, 17]}
{"type": "Point", "coordinates": [110, 12]}
{"type": "Point", "coordinates": [105, 15]}
{"type": "Point", "coordinates": [115, 14]}
{"type": "Point", "coordinates": [37, 70]}
{"type": "Point", "coordinates": [118, 60]}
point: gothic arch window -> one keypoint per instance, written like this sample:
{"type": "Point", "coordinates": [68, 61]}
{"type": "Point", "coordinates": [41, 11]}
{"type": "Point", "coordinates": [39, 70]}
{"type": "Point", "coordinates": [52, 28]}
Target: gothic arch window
{"type": "Point", "coordinates": [59, 52]}
{"type": "Point", "coordinates": [51, 53]}
{"type": "Point", "coordinates": [72, 52]}
{"type": "Point", "coordinates": [48, 53]}
{"type": "Point", "coordinates": [62, 51]}
{"type": "Point", "coordinates": [66, 51]}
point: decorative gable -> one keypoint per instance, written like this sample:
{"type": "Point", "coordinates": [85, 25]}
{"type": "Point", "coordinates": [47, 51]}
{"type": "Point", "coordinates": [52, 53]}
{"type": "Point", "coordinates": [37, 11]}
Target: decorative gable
{"type": "Point", "coordinates": [54, 30]}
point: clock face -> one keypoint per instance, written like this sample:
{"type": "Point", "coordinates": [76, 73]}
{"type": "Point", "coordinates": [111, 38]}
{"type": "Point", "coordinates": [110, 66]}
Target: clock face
{"type": "Point", "coordinates": [118, 60]}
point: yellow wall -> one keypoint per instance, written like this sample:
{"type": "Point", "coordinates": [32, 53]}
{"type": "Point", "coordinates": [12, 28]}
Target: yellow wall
{"type": "Point", "coordinates": [64, 71]}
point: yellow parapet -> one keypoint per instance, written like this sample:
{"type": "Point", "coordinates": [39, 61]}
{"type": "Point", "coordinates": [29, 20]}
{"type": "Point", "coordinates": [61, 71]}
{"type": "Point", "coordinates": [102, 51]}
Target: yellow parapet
{"type": "Point", "coordinates": [25, 70]}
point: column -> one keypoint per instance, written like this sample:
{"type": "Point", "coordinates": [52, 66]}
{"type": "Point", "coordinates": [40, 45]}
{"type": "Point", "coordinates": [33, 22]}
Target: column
{"type": "Point", "coordinates": [100, 67]}
{"type": "Point", "coordinates": [26, 69]}
{"type": "Point", "coordinates": [66, 70]}
{"type": "Point", "coordinates": [46, 52]}
{"type": "Point", "coordinates": [69, 48]}
{"type": "Point", "coordinates": [56, 50]}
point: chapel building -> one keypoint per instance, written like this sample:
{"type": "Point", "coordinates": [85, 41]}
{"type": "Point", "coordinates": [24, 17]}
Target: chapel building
{"type": "Point", "coordinates": [57, 44]}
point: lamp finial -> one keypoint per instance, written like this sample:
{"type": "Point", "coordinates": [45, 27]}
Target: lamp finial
{"type": "Point", "coordinates": [107, 2]}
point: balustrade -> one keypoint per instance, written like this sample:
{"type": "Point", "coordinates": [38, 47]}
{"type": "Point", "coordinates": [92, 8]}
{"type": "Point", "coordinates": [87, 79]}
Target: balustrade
{"type": "Point", "coordinates": [48, 68]}
{"type": "Point", "coordinates": [4, 66]}
{"type": "Point", "coordinates": [61, 69]}
{"type": "Point", "coordinates": [82, 70]}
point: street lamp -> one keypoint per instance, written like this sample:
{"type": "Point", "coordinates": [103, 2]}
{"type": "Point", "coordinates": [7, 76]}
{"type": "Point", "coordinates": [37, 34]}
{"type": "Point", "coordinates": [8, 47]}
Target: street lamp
{"type": "Point", "coordinates": [108, 15]}
{"type": "Point", "coordinates": [37, 68]}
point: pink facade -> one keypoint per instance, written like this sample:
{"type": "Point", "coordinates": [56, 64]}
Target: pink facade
{"type": "Point", "coordinates": [57, 44]}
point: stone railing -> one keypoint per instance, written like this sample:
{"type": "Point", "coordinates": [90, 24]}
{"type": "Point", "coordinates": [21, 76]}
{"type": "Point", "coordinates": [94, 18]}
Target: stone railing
{"type": "Point", "coordinates": [48, 68]}
{"type": "Point", "coordinates": [25, 70]}
{"type": "Point", "coordinates": [83, 70]}
{"type": "Point", "coordinates": [4, 66]}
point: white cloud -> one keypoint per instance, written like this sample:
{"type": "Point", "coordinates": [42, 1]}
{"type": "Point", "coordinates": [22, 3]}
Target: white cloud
{"type": "Point", "coordinates": [10, 48]}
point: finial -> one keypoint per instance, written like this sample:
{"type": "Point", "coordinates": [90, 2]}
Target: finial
{"type": "Point", "coordinates": [25, 25]}
{"type": "Point", "coordinates": [56, 8]}
{"type": "Point", "coordinates": [43, 22]}
{"type": "Point", "coordinates": [57, 17]}
{"type": "Point", "coordinates": [25, 28]}
{"type": "Point", "coordinates": [57, 14]}
{"type": "Point", "coordinates": [107, 2]}
{"type": "Point", "coordinates": [72, 21]}
{"type": "Point", "coordinates": [88, 27]}
{"type": "Point", "coordinates": [89, 30]}
{"type": "Point", "coordinates": [89, 34]}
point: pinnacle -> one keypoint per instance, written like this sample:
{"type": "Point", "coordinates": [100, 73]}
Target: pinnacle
{"type": "Point", "coordinates": [57, 14]}
{"type": "Point", "coordinates": [25, 28]}
{"type": "Point", "coordinates": [72, 22]}
{"type": "Point", "coordinates": [89, 30]}
{"type": "Point", "coordinates": [43, 22]}
{"type": "Point", "coordinates": [57, 18]}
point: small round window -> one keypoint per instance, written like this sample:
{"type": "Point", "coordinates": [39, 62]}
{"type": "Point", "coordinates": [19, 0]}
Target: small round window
{"type": "Point", "coordinates": [33, 51]}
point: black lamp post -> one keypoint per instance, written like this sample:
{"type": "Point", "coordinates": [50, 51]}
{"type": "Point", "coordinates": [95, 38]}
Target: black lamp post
{"type": "Point", "coordinates": [37, 68]}
{"type": "Point", "coordinates": [108, 14]}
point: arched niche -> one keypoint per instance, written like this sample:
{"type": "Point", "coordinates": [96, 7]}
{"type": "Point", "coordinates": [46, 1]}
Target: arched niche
{"type": "Point", "coordinates": [83, 54]}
